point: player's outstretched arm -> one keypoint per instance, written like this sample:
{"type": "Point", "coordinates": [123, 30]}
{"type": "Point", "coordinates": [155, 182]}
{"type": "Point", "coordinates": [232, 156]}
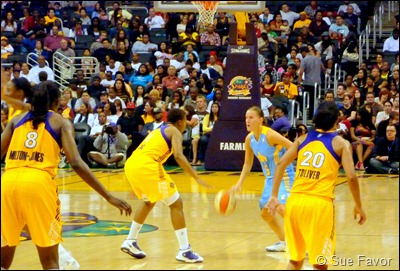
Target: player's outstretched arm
{"type": "Point", "coordinates": [348, 166]}
{"type": "Point", "coordinates": [176, 141]}
{"type": "Point", "coordinates": [72, 154]}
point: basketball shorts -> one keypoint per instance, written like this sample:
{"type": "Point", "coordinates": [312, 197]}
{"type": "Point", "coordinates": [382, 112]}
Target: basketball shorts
{"type": "Point", "coordinates": [284, 189]}
{"type": "Point", "coordinates": [30, 197]}
{"type": "Point", "coordinates": [310, 227]}
{"type": "Point", "coordinates": [149, 180]}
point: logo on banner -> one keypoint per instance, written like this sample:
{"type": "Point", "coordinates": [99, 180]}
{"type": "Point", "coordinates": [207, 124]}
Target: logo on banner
{"type": "Point", "coordinates": [240, 86]}
{"type": "Point", "coordinates": [241, 50]}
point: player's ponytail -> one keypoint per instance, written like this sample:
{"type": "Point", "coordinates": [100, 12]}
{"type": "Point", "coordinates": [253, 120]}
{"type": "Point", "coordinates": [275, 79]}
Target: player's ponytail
{"type": "Point", "coordinates": [45, 95]}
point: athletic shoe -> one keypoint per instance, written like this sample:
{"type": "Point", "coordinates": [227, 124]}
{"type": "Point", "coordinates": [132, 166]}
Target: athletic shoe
{"type": "Point", "coordinates": [188, 256]}
{"type": "Point", "coordinates": [277, 247]}
{"type": "Point", "coordinates": [66, 261]}
{"type": "Point", "coordinates": [131, 247]}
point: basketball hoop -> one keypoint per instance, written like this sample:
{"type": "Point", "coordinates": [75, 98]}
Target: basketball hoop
{"type": "Point", "coordinates": [206, 10]}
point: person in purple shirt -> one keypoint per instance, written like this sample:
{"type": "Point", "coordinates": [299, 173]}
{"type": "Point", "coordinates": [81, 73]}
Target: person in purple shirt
{"type": "Point", "coordinates": [281, 123]}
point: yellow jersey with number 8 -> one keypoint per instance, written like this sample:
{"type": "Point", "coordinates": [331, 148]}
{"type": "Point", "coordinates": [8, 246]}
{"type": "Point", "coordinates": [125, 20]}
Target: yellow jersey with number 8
{"type": "Point", "coordinates": [39, 149]}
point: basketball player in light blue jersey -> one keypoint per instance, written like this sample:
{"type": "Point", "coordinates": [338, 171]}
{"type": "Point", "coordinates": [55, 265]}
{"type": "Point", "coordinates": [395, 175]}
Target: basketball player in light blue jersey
{"type": "Point", "coordinates": [268, 146]}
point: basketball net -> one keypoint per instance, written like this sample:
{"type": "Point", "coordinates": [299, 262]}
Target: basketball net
{"type": "Point", "coordinates": [206, 10]}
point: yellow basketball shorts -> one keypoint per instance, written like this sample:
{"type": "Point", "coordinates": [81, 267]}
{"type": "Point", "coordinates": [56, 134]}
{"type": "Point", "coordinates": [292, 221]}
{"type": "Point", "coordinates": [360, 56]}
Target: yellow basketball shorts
{"type": "Point", "coordinates": [30, 197]}
{"type": "Point", "coordinates": [310, 227]}
{"type": "Point", "coordinates": [149, 180]}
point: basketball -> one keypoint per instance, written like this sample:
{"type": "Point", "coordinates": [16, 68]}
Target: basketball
{"type": "Point", "coordinates": [225, 203]}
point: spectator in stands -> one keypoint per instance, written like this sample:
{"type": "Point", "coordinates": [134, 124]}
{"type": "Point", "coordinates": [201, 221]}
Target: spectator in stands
{"type": "Point", "coordinates": [324, 47]}
{"type": "Point", "coordinates": [311, 67]}
{"type": "Point", "coordinates": [312, 9]}
{"type": "Point", "coordinates": [124, 12]}
{"type": "Point", "coordinates": [66, 52]}
{"type": "Point", "coordinates": [318, 26]}
{"type": "Point", "coordinates": [349, 110]}
{"type": "Point", "coordinates": [392, 120]}
{"type": "Point", "coordinates": [98, 8]}
{"type": "Point", "coordinates": [384, 96]}
{"type": "Point", "coordinates": [9, 23]}
{"type": "Point", "coordinates": [360, 80]}
{"type": "Point", "coordinates": [207, 127]}
{"type": "Point", "coordinates": [351, 19]}
{"type": "Point", "coordinates": [359, 99]}
{"type": "Point", "coordinates": [144, 45]}
{"type": "Point", "coordinates": [50, 18]}
{"type": "Point", "coordinates": [6, 48]}
{"type": "Point", "coordinates": [111, 145]}
{"type": "Point", "coordinates": [84, 99]}
{"type": "Point", "coordinates": [391, 44]}
{"type": "Point", "coordinates": [267, 87]}
{"type": "Point", "coordinates": [52, 41]}
{"type": "Point", "coordinates": [176, 101]}
{"type": "Point", "coordinates": [288, 15]}
{"type": "Point", "coordinates": [171, 82]}
{"type": "Point", "coordinates": [221, 24]}
{"type": "Point", "coordinates": [84, 114]}
{"type": "Point", "coordinates": [71, 101]}
{"type": "Point", "coordinates": [178, 62]}
{"type": "Point", "coordinates": [384, 115]}
{"type": "Point", "coordinates": [101, 53]}
{"type": "Point", "coordinates": [266, 16]}
{"type": "Point", "coordinates": [157, 123]}
{"type": "Point", "coordinates": [343, 8]}
{"type": "Point", "coordinates": [210, 37]}
{"type": "Point", "coordinates": [33, 75]}
{"type": "Point", "coordinates": [77, 30]}
{"type": "Point", "coordinates": [372, 106]}
{"type": "Point", "coordinates": [27, 21]}
{"type": "Point", "coordinates": [120, 37]}
{"type": "Point", "coordinates": [120, 90]}
{"type": "Point", "coordinates": [339, 27]}
{"type": "Point", "coordinates": [214, 65]}
{"type": "Point", "coordinates": [385, 157]}
{"type": "Point", "coordinates": [181, 26]}
{"type": "Point", "coordinates": [281, 123]}
{"type": "Point", "coordinates": [362, 134]}
{"type": "Point", "coordinates": [64, 110]}
{"type": "Point", "coordinates": [85, 19]}
{"type": "Point", "coordinates": [148, 110]}
{"type": "Point", "coordinates": [370, 86]}
{"type": "Point", "coordinates": [154, 21]}
{"type": "Point", "coordinates": [286, 88]}
{"type": "Point", "coordinates": [302, 22]}
{"type": "Point", "coordinates": [141, 77]}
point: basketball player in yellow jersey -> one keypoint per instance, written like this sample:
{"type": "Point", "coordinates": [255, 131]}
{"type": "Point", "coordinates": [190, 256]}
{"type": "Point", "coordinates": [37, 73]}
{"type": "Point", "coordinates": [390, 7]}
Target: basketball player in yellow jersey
{"type": "Point", "coordinates": [32, 142]}
{"type": "Point", "coordinates": [145, 172]}
{"type": "Point", "coordinates": [310, 218]}
{"type": "Point", "coordinates": [17, 94]}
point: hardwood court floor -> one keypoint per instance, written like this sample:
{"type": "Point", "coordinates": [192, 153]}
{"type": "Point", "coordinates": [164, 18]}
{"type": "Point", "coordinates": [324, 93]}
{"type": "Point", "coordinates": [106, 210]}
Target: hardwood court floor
{"type": "Point", "coordinates": [229, 242]}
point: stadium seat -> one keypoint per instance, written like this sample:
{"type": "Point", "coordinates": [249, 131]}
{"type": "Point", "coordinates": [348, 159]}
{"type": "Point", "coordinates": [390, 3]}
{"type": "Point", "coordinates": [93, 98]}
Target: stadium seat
{"type": "Point", "coordinates": [144, 57]}
{"type": "Point", "coordinates": [158, 35]}
{"type": "Point", "coordinates": [81, 129]}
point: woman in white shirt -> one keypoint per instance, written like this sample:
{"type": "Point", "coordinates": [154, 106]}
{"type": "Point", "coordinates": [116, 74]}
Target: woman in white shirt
{"type": "Point", "coordinates": [85, 115]}
{"type": "Point", "coordinates": [384, 115]}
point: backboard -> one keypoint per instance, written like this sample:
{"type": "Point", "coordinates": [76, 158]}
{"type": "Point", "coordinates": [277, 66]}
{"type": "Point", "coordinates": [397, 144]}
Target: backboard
{"type": "Point", "coordinates": [223, 6]}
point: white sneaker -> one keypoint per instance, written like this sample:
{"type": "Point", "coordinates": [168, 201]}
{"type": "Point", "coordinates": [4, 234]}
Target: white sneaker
{"type": "Point", "coordinates": [188, 256]}
{"type": "Point", "coordinates": [66, 261]}
{"type": "Point", "coordinates": [131, 247]}
{"type": "Point", "coordinates": [277, 247]}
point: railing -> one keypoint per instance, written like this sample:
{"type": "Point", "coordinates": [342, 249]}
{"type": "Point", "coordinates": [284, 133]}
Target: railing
{"type": "Point", "coordinates": [65, 67]}
{"type": "Point", "coordinates": [294, 105]}
{"type": "Point", "coordinates": [338, 75]}
{"type": "Point", "coordinates": [31, 59]}
{"type": "Point", "coordinates": [306, 106]}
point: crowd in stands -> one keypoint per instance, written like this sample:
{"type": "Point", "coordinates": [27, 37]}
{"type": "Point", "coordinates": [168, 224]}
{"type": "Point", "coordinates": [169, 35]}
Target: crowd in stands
{"type": "Point", "coordinates": [140, 76]}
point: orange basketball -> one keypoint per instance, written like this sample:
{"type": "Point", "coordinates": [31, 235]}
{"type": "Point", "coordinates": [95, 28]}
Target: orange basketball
{"type": "Point", "coordinates": [224, 203]}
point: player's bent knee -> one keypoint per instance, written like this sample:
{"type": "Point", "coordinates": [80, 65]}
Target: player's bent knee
{"type": "Point", "coordinates": [172, 199]}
